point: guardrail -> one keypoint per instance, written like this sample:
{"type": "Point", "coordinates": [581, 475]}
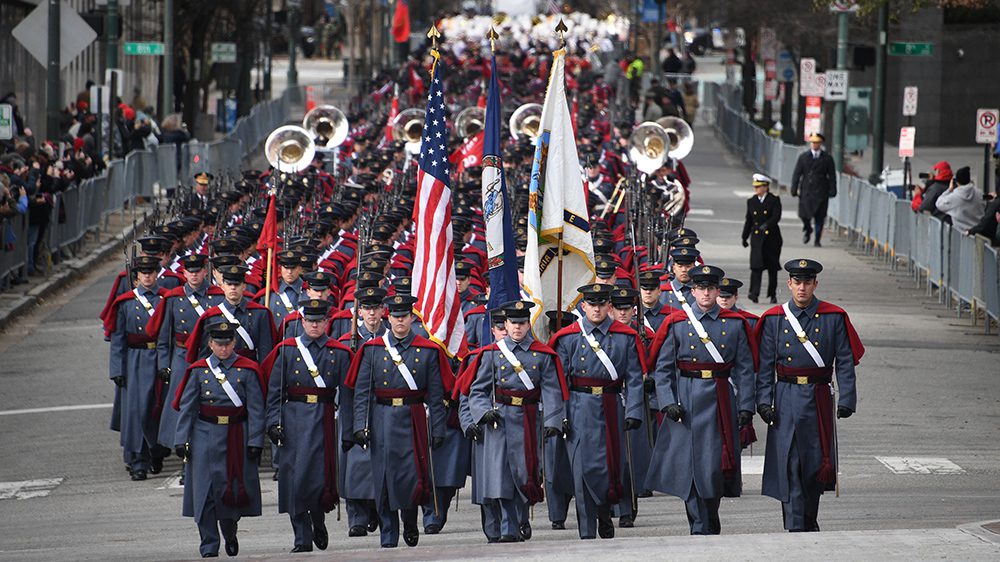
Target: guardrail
{"type": "Point", "coordinates": [964, 270]}
{"type": "Point", "coordinates": [142, 173]}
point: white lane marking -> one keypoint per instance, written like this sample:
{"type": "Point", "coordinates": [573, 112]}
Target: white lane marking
{"type": "Point", "coordinates": [920, 465]}
{"type": "Point", "coordinates": [743, 194]}
{"type": "Point", "coordinates": [173, 482]}
{"type": "Point", "coordinates": [752, 465]}
{"type": "Point", "coordinates": [55, 409]}
{"type": "Point", "coordinates": [702, 212]}
{"type": "Point", "coordinates": [707, 182]}
{"type": "Point", "coordinates": [27, 489]}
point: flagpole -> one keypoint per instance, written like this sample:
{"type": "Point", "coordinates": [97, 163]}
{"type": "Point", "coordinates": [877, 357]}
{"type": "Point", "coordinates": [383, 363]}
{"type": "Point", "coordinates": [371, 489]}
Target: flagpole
{"type": "Point", "coordinates": [561, 30]}
{"type": "Point", "coordinates": [267, 283]}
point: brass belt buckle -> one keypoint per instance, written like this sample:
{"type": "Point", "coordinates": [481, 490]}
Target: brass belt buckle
{"type": "Point", "coordinates": [314, 372]}
{"type": "Point", "coordinates": [397, 401]}
{"type": "Point", "coordinates": [705, 374]}
{"type": "Point", "coordinates": [518, 368]}
{"type": "Point", "coordinates": [595, 346]}
{"type": "Point", "coordinates": [516, 401]}
{"type": "Point", "coordinates": [801, 380]}
{"type": "Point", "coordinates": [312, 399]}
{"type": "Point", "coordinates": [597, 390]}
{"type": "Point", "coordinates": [223, 420]}
{"type": "Point", "coordinates": [151, 345]}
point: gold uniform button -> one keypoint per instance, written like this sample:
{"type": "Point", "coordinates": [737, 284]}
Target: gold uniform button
{"type": "Point", "coordinates": [723, 333]}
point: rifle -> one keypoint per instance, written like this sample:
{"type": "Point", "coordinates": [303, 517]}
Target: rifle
{"type": "Point", "coordinates": [641, 310]}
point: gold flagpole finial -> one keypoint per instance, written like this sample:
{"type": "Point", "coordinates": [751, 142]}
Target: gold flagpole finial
{"type": "Point", "coordinates": [561, 29]}
{"type": "Point", "coordinates": [433, 34]}
{"type": "Point", "coordinates": [493, 36]}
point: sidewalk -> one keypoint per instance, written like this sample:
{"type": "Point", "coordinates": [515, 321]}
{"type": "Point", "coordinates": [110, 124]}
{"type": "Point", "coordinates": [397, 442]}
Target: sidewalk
{"type": "Point", "coordinates": [924, 158]}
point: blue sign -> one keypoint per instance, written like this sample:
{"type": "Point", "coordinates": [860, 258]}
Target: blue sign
{"type": "Point", "coordinates": [786, 67]}
{"type": "Point", "coordinates": [652, 12]}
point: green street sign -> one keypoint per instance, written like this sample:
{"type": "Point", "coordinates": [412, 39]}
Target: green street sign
{"type": "Point", "coordinates": [145, 49]}
{"type": "Point", "coordinates": [907, 49]}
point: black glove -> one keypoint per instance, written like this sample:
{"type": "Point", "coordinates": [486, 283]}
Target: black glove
{"type": "Point", "coordinates": [181, 451]}
{"type": "Point", "coordinates": [844, 412]}
{"type": "Point", "coordinates": [119, 381]}
{"type": "Point", "coordinates": [745, 417]}
{"type": "Point", "coordinates": [631, 424]}
{"type": "Point", "coordinates": [253, 453]}
{"type": "Point", "coordinates": [745, 243]}
{"type": "Point", "coordinates": [491, 417]}
{"type": "Point", "coordinates": [474, 432]}
{"type": "Point", "coordinates": [552, 432]}
{"type": "Point", "coordinates": [648, 385]}
{"type": "Point", "coordinates": [346, 444]}
{"type": "Point", "coordinates": [164, 374]}
{"type": "Point", "coordinates": [360, 438]}
{"type": "Point", "coordinates": [767, 413]}
{"type": "Point", "coordinates": [437, 443]}
{"type": "Point", "coordinates": [276, 434]}
{"type": "Point", "coordinates": [674, 411]}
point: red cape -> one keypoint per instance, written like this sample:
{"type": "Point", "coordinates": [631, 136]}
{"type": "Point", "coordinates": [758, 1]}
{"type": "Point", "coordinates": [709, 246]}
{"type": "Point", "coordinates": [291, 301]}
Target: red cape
{"type": "Point", "coordinates": [111, 319]}
{"type": "Point", "coordinates": [241, 362]}
{"type": "Point", "coordinates": [616, 328]}
{"type": "Point", "coordinates": [114, 287]}
{"type": "Point", "coordinates": [681, 316]}
{"type": "Point", "coordinates": [444, 367]}
{"type": "Point", "coordinates": [464, 382]}
{"type": "Point", "coordinates": [153, 327]}
{"type": "Point", "coordinates": [268, 364]}
{"type": "Point", "coordinates": [857, 348]}
{"type": "Point", "coordinates": [194, 340]}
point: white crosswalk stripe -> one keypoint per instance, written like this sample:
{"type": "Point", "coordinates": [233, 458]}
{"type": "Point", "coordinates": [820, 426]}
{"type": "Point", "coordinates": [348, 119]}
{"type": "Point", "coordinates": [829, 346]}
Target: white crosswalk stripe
{"type": "Point", "coordinates": [28, 489]}
{"type": "Point", "coordinates": [920, 465]}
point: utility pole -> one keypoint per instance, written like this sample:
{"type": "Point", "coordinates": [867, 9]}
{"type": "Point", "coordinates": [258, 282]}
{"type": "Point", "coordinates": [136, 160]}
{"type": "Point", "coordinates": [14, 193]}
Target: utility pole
{"type": "Point", "coordinates": [292, 17]}
{"type": "Point", "coordinates": [53, 86]}
{"type": "Point", "coordinates": [878, 125]}
{"type": "Point", "coordinates": [167, 83]}
{"type": "Point", "coordinates": [839, 122]}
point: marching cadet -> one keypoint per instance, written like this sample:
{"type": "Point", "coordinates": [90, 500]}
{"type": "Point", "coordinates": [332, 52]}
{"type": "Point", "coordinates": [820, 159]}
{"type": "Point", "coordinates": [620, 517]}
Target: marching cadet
{"type": "Point", "coordinates": [803, 343]}
{"type": "Point", "coordinates": [679, 289]}
{"type": "Point", "coordinates": [220, 433]}
{"type": "Point", "coordinates": [697, 352]}
{"type": "Point", "coordinates": [729, 289]}
{"type": "Point", "coordinates": [389, 417]}
{"type": "Point", "coordinates": [171, 325]}
{"type": "Point", "coordinates": [132, 367]}
{"type": "Point", "coordinates": [599, 356]}
{"type": "Point", "coordinates": [255, 331]}
{"type": "Point", "coordinates": [463, 272]}
{"type": "Point", "coordinates": [763, 235]}
{"type": "Point", "coordinates": [559, 485]}
{"type": "Point", "coordinates": [358, 488]}
{"type": "Point", "coordinates": [317, 286]}
{"type": "Point", "coordinates": [510, 378]}
{"type": "Point", "coordinates": [305, 374]}
{"type": "Point", "coordinates": [155, 246]}
{"type": "Point", "coordinates": [653, 311]}
{"type": "Point", "coordinates": [285, 297]}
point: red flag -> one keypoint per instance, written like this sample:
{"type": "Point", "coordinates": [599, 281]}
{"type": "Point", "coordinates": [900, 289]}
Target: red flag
{"type": "Point", "coordinates": [469, 154]}
{"type": "Point", "coordinates": [401, 22]}
{"type": "Point", "coordinates": [393, 111]}
{"type": "Point", "coordinates": [269, 232]}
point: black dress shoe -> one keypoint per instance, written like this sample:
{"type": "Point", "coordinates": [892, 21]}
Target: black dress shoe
{"type": "Point", "coordinates": [559, 525]}
{"type": "Point", "coordinates": [411, 536]}
{"type": "Point", "coordinates": [180, 481]}
{"type": "Point", "coordinates": [646, 494]}
{"type": "Point", "coordinates": [275, 477]}
{"type": "Point", "coordinates": [128, 468]}
{"type": "Point", "coordinates": [816, 243]}
{"type": "Point", "coordinates": [626, 522]}
{"type": "Point", "coordinates": [389, 545]}
{"type": "Point", "coordinates": [138, 475]}
{"type": "Point", "coordinates": [357, 531]}
{"type": "Point", "coordinates": [753, 298]}
{"type": "Point", "coordinates": [232, 545]}
{"type": "Point", "coordinates": [321, 537]}
{"type": "Point", "coordinates": [605, 528]}
{"type": "Point", "coordinates": [491, 540]}
{"type": "Point", "coordinates": [156, 466]}
{"type": "Point", "coordinates": [373, 525]}
{"type": "Point", "coordinates": [805, 237]}
{"type": "Point", "coordinates": [507, 538]}
{"type": "Point", "coordinates": [774, 300]}
{"type": "Point", "coordinates": [432, 529]}
{"type": "Point", "coordinates": [300, 548]}
{"type": "Point", "coordinates": [210, 555]}
{"type": "Point", "coordinates": [525, 531]}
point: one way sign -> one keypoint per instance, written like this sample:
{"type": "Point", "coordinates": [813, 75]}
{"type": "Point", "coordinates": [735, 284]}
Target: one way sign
{"type": "Point", "coordinates": [836, 85]}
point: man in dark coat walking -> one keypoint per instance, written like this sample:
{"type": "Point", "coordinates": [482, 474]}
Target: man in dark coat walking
{"type": "Point", "coordinates": [814, 182]}
{"type": "Point", "coordinates": [762, 235]}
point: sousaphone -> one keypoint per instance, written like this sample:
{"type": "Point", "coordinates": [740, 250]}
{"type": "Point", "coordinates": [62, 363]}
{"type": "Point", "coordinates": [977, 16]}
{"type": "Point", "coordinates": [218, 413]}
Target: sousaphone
{"type": "Point", "coordinates": [327, 125]}
{"type": "Point", "coordinates": [526, 121]}
{"type": "Point", "coordinates": [289, 149]}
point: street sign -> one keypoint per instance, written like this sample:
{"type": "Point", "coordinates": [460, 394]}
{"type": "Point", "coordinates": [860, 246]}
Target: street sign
{"type": "Point", "coordinates": [75, 34]}
{"type": "Point", "coordinates": [770, 89]}
{"type": "Point", "coordinates": [909, 101]}
{"type": "Point", "coordinates": [810, 83]}
{"type": "Point", "coordinates": [6, 121]}
{"type": "Point", "coordinates": [986, 126]}
{"type": "Point", "coordinates": [907, 141]}
{"type": "Point", "coordinates": [786, 67]}
{"type": "Point", "coordinates": [836, 85]}
{"type": "Point", "coordinates": [119, 80]}
{"type": "Point", "coordinates": [814, 117]}
{"type": "Point", "coordinates": [911, 49]}
{"type": "Point", "coordinates": [223, 52]}
{"type": "Point", "coordinates": [148, 48]}
{"type": "Point", "coordinates": [841, 6]}
{"type": "Point", "coordinates": [768, 40]}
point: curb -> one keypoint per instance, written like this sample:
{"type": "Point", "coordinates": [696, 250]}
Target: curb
{"type": "Point", "coordinates": [75, 269]}
{"type": "Point", "coordinates": [979, 531]}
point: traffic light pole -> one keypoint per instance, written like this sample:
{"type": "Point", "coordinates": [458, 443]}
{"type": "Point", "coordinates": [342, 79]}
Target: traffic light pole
{"type": "Point", "coordinates": [53, 85]}
{"type": "Point", "coordinates": [839, 106]}
{"type": "Point", "coordinates": [878, 125]}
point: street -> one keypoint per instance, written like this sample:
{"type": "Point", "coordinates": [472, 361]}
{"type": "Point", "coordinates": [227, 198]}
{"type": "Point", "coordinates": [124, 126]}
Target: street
{"type": "Point", "coordinates": [920, 454]}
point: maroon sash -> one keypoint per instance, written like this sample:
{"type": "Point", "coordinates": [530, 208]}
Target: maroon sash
{"type": "Point", "coordinates": [418, 417]}
{"type": "Point", "coordinates": [827, 474]}
{"type": "Point", "coordinates": [235, 454]}
{"type": "Point", "coordinates": [330, 496]}
{"type": "Point", "coordinates": [532, 489]}
{"type": "Point", "coordinates": [609, 403]}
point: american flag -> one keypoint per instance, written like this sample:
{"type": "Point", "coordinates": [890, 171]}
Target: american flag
{"type": "Point", "coordinates": [434, 282]}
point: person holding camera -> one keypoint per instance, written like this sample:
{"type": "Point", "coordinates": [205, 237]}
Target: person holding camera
{"type": "Point", "coordinates": [961, 202]}
{"type": "Point", "coordinates": [937, 181]}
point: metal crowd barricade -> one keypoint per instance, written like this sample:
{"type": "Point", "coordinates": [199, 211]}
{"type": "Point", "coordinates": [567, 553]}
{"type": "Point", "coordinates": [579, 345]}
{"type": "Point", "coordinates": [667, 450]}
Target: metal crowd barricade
{"type": "Point", "coordinates": [991, 284]}
{"type": "Point", "coordinates": [14, 240]}
{"type": "Point", "coordinates": [904, 229]}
